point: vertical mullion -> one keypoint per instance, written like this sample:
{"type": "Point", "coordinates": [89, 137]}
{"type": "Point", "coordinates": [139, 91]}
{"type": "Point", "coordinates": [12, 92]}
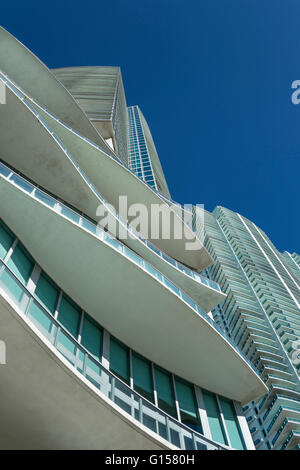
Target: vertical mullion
{"type": "Point", "coordinates": [58, 304]}
{"type": "Point", "coordinates": [154, 385]}
{"type": "Point", "coordinates": [154, 395]}
{"type": "Point", "coordinates": [56, 315]}
{"type": "Point", "coordinates": [223, 421]}
{"type": "Point", "coordinates": [131, 384]}
{"type": "Point", "coordinates": [202, 413]}
{"type": "Point", "coordinates": [80, 327]}
{"type": "Point", "coordinates": [242, 422]}
{"type": "Point", "coordinates": [176, 399]}
{"type": "Point", "coordinates": [10, 251]}
{"type": "Point", "coordinates": [34, 277]}
{"type": "Point", "coordinates": [106, 349]}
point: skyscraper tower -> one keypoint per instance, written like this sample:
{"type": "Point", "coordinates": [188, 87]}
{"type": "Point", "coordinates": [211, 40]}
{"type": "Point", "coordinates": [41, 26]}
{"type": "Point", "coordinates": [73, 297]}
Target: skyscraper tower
{"type": "Point", "coordinates": [99, 91]}
{"type": "Point", "coordinates": [109, 340]}
{"type": "Point", "coordinates": [261, 315]}
{"type": "Point", "coordinates": [143, 158]}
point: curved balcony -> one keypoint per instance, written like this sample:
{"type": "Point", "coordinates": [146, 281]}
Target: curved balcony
{"type": "Point", "coordinates": [105, 172]}
{"type": "Point", "coordinates": [60, 174]}
{"type": "Point", "coordinates": [292, 441]}
{"type": "Point", "coordinates": [39, 82]}
{"type": "Point", "coordinates": [114, 179]}
{"type": "Point", "coordinates": [287, 425]}
{"type": "Point", "coordinates": [154, 427]}
{"type": "Point", "coordinates": [147, 301]}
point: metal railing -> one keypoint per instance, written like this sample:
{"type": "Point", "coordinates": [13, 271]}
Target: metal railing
{"type": "Point", "coordinates": [139, 408]}
{"type": "Point", "coordinates": [60, 208]}
{"type": "Point", "coordinates": [198, 277]}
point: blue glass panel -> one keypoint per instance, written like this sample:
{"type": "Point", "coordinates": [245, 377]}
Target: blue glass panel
{"type": "Point", "coordinates": [21, 263]}
{"type": "Point", "coordinates": [214, 417]}
{"type": "Point", "coordinates": [91, 337]}
{"type": "Point", "coordinates": [47, 292]}
{"type": "Point", "coordinates": [6, 240]}
{"type": "Point", "coordinates": [187, 404]}
{"type": "Point", "coordinates": [165, 391]}
{"type": "Point", "coordinates": [142, 376]}
{"type": "Point", "coordinates": [232, 425]}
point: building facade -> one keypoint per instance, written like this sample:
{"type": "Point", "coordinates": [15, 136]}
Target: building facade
{"type": "Point", "coordinates": [99, 91]}
{"type": "Point", "coordinates": [261, 315]}
{"type": "Point", "coordinates": [110, 341]}
{"type": "Point", "coordinates": [143, 159]}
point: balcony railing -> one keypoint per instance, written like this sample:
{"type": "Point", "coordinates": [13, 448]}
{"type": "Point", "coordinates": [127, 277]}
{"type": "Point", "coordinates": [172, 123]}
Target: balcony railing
{"type": "Point", "coordinates": [142, 410]}
{"type": "Point", "coordinates": [62, 209]}
{"type": "Point", "coordinates": [189, 272]}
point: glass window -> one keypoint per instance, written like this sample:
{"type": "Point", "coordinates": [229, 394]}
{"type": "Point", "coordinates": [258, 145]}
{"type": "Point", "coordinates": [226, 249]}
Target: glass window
{"type": "Point", "coordinates": [42, 196]}
{"type": "Point", "coordinates": [6, 240]}
{"type": "Point", "coordinates": [21, 263]}
{"type": "Point", "coordinates": [232, 425]}
{"type": "Point", "coordinates": [40, 318]}
{"type": "Point", "coordinates": [214, 418]}
{"type": "Point", "coordinates": [14, 289]}
{"type": "Point", "coordinates": [69, 213]}
{"type": "Point", "coordinates": [187, 404]}
{"type": "Point", "coordinates": [22, 183]}
{"type": "Point", "coordinates": [4, 171]}
{"type": "Point", "coordinates": [142, 376]}
{"type": "Point", "coordinates": [91, 337]}
{"type": "Point", "coordinates": [47, 292]}
{"type": "Point", "coordinates": [165, 391]}
{"type": "Point", "coordinates": [69, 315]}
{"type": "Point", "coordinates": [119, 359]}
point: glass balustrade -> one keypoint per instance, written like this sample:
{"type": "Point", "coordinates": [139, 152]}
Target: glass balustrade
{"type": "Point", "coordinates": [196, 276]}
{"type": "Point", "coordinates": [104, 380]}
{"type": "Point", "coordinates": [81, 221]}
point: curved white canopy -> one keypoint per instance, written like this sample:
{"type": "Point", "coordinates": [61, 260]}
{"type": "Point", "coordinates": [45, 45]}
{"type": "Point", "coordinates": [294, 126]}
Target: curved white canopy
{"type": "Point", "coordinates": [128, 301]}
{"type": "Point", "coordinates": [30, 148]}
{"type": "Point", "coordinates": [25, 69]}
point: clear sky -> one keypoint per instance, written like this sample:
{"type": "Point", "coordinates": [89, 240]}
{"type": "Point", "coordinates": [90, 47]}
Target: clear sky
{"type": "Point", "coordinates": [213, 79]}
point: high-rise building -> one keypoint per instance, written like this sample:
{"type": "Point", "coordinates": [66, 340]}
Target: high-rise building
{"type": "Point", "coordinates": [261, 315]}
{"type": "Point", "coordinates": [109, 339]}
{"type": "Point", "coordinates": [143, 159]}
{"type": "Point", "coordinates": [99, 91]}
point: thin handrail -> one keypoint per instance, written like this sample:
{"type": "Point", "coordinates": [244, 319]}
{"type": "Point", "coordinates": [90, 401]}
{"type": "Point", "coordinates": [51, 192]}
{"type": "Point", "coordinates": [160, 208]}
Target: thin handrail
{"type": "Point", "coordinates": [79, 346]}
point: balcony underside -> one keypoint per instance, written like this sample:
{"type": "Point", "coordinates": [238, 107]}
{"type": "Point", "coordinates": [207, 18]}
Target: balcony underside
{"type": "Point", "coordinates": [31, 149]}
{"type": "Point", "coordinates": [25, 69]}
{"type": "Point", "coordinates": [64, 411]}
{"type": "Point", "coordinates": [106, 174]}
{"type": "Point", "coordinates": [127, 301]}
{"type": "Point", "coordinates": [114, 180]}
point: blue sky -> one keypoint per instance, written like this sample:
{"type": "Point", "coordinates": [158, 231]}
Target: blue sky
{"type": "Point", "coordinates": [213, 79]}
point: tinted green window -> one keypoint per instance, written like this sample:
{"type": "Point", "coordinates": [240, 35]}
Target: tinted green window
{"type": "Point", "coordinates": [40, 318]}
{"type": "Point", "coordinates": [214, 418]}
{"type": "Point", "coordinates": [187, 404]}
{"type": "Point", "coordinates": [91, 337]}
{"type": "Point", "coordinates": [12, 286]}
{"type": "Point", "coordinates": [119, 359]}
{"type": "Point", "coordinates": [69, 315]}
{"type": "Point", "coordinates": [231, 422]}
{"type": "Point", "coordinates": [142, 376]}
{"type": "Point", "coordinates": [21, 263]}
{"type": "Point", "coordinates": [165, 392]}
{"type": "Point", "coordinates": [6, 240]}
{"type": "Point", "coordinates": [47, 292]}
